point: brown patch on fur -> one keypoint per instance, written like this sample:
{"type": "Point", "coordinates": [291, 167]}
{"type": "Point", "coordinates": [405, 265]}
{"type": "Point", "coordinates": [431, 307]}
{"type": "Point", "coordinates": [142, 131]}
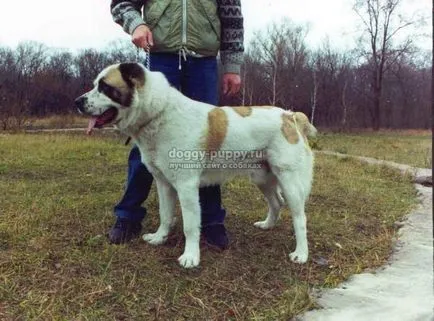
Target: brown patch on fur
{"type": "Point", "coordinates": [132, 74]}
{"type": "Point", "coordinates": [264, 107]}
{"type": "Point", "coordinates": [289, 130]}
{"type": "Point", "coordinates": [114, 79]}
{"type": "Point", "coordinates": [302, 122]}
{"type": "Point", "coordinates": [217, 129]}
{"type": "Point", "coordinates": [243, 111]}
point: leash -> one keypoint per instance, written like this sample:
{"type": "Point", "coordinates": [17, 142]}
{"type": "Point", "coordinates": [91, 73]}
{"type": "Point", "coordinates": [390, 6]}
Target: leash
{"type": "Point", "coordinates": [142, 54]}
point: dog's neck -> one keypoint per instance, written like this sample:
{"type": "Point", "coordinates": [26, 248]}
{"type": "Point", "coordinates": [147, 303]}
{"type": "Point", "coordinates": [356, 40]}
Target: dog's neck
{"type": "Point", "coordinates": [148, 108]}
{"type": "Point", "coordinates": [152, 102]}
{"type": "Point", "coordinates": [151, 124]}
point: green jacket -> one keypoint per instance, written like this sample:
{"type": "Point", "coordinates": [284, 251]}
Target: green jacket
{"type": "Point", "coordinates": [203, 27]}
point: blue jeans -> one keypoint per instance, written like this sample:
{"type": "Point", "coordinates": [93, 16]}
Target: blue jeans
{"type": "Point", "coordinates": [197, 79]}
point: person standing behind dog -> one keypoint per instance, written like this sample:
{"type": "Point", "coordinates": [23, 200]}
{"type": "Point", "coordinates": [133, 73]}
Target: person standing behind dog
{"type": "Point", "coordinates": [184, 38]}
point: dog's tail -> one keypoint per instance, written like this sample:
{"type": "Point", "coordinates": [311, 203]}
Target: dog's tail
{"type": "Point", "coordinates": [303, 124]}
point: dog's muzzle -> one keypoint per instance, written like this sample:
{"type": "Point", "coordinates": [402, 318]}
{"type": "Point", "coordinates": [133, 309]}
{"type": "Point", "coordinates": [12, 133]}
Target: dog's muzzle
{"type": "Point", "coordinates": [80, 102]}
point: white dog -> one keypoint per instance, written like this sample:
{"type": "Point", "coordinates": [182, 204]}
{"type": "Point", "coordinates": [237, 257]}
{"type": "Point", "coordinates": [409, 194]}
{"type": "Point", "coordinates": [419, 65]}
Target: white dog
{"type": "Point", "coordinates": [187, 144]}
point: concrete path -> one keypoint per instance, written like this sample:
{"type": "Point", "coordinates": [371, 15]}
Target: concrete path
{"type": "Point", "coordinates": [403, 289]}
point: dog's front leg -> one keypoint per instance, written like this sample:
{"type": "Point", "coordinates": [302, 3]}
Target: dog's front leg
{"type": "Point", "coordinates": [188, 194]}
{"type": "Point", "coordinates": [167, 199]}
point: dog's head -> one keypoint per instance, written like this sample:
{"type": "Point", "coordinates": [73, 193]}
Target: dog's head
{"type": "Point", "coordinates": [114, 93]}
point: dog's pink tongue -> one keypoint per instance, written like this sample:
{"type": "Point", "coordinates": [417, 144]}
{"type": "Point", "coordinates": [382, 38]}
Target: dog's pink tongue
{"type": "Point", "coordinates": [91, 125]}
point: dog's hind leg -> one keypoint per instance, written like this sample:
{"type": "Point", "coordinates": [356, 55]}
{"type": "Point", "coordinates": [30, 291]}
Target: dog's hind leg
{"type": "Point", "coordinates": [167, 199]}
{"type": "Point", "coordinates": [274, 205]}
{"type": "Point", "coordinates": [295, 193]}
{"type": "Point", "coordinates": [188, 194]}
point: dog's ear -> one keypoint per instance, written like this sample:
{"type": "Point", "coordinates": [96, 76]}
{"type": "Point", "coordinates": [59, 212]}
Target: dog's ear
{"type": "Point", "coordinates": [133, 74]}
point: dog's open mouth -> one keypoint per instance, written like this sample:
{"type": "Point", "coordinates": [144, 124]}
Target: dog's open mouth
{"type": "Point", "coordinates": [99, 121]}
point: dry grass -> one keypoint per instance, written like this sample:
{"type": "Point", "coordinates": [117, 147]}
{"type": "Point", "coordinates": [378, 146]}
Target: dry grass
{"type": "Point", "coordinates": [57, 194]}
{"type": "Point", "coordinates": [406, 147]}
{"type": "Point", "coordinates": [57, 122]}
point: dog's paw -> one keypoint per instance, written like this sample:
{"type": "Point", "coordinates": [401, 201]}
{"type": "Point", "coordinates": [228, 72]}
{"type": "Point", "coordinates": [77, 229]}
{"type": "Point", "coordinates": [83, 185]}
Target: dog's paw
{"type": "Point", "coordinates": [154, 238]}
{"type": "Point", "coordinates": [298, 257]}
{"type": "Point", "coordinates": [188, 260]}
{"type": "Point", "coordinates": [265, 225]}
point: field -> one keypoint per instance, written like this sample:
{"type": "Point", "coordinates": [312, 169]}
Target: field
{"type": "Point", "coordinates": [406, 147]}
{"type": "Point", "coordinates": [412, 147]}
{"type": "Point", "coordinates": [57, 192]}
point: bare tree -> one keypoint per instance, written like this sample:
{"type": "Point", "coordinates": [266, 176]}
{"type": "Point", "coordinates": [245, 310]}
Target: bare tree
{"type": "Point", "coordinates": [331, 86]}
{"type": "Point", "coordinates": [330, 81]}
{"type": "Point", "coordinates": [121, 51]}
{"type": "Point", "coordinates": [26, 63]}
{"type": "Point", "coordinates": [282, 52]}
{"type": "Point", "coordinates": [8, 71]}
{"type": "Point", "coordinates": [314, 94]}
{"type": "Point", "coordinates": [89, 63]}
{"type": "Point", "coordinates": [382, 24]}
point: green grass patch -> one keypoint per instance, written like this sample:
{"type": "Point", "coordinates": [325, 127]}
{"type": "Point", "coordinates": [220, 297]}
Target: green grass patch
{"type": "Point", "coordinates": [414, 149]}
{"type": "Point", "coordinates": [57, 193]}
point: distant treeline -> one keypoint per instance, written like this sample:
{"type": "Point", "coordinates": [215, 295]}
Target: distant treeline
{"type": "Point", "coordinates": [337, 89]}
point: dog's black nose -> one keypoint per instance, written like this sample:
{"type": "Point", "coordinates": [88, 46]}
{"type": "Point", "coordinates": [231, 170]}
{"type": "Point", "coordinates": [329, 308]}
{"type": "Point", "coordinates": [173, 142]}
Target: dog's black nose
{"type": "Point", "coordinates": [79, 103]}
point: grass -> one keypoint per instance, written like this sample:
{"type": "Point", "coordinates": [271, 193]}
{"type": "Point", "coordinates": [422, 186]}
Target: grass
{"type": "Point", "coordinates": [57, 122]}
{"type": "Point", "coordinates": [406, 147]}
{"type": "Point", "coordinates": [412, 147]}
{"type": "Point", "coordinates": [57, 194]}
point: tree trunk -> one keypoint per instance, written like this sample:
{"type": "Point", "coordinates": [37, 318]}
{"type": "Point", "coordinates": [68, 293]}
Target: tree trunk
{"type": "Point", "coordinates": [243, 103]}
{"type": "Point", "coordinates": [345, 107]}
{"type": "Point", "coordinates": [376, 121]}
{"type": "Point", "coordinates": [273, 103]}
{"type": "Point", "coordinates": [315, 91]}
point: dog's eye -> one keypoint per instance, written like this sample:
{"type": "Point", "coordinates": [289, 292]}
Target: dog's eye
{"type": "Point", "coordinates": [116, 94]}
{"type": "Point", "coordinates": [109, 90]}
{"type": "Point", "coordinates": [103, 87]}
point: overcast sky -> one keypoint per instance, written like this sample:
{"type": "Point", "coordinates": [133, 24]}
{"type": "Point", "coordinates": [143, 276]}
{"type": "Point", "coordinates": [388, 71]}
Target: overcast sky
{"type": "Point", "coordinates": [80, 24]}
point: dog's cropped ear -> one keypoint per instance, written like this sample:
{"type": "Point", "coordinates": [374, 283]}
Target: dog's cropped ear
{"type": "Point", "coordinates": [133, 74]}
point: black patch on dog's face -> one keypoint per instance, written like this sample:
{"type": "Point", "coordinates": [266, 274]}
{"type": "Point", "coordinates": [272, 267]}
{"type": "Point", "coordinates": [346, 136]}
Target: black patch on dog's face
{"type": "Point", "coordinates": [132, 74]}
{"type": "Point", "coordinates": [115, 94]}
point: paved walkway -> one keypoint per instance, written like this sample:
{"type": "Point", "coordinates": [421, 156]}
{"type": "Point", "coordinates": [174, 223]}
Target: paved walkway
{"type": "Point", "coordinates": [403, 289]}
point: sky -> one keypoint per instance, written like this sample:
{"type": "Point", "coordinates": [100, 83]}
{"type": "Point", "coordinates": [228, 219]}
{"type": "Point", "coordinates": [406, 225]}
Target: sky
{"type": "Point", "coordinates": [81, 24]}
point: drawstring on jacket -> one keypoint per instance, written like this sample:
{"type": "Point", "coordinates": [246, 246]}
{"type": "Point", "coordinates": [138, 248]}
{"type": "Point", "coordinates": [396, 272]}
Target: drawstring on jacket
{"type": "Point", "coordinates": [182, 55]}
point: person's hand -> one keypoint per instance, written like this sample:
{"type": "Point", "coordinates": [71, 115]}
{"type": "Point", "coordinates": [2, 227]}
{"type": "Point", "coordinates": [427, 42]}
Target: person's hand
{"type": "Point", "coordinates": [142, 37]}
{"type": "Point", "coordinates": [231, 84]}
